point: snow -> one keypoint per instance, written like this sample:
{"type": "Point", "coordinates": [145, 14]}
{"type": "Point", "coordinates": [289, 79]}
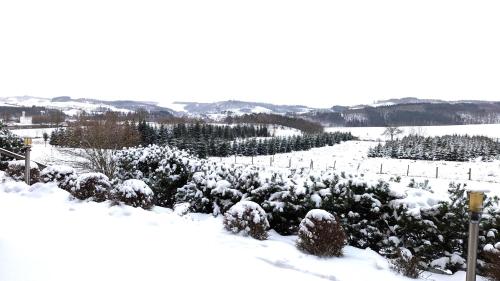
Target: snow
{"type": "Point", "coordinates": [375, 133]}
{"type": "Point", "coordinates": [130, 188]}
{"type": "Point", "coordinates": [58, 169]}
{"type": "Point", "coordinates": [48, 237]}
{"type": "Point", "coordinates": [69, 107]}
{"type": "Point", "coordinates": [22, 163]}
{"type": "Point", "coordinates": [351, 157]}
{"type": "Point", "coordinates": [319, 214]}
{"type": "Point", "coordinates": [33, 133]}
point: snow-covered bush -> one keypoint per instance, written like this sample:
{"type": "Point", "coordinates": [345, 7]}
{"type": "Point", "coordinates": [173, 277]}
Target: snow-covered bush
{"type": "Point", "coordinates": [163, 168]}
{"type": "Point", "coordinates": [135, 193]}
{"type": "Point", "coordinates": [248, 218]}
{"type": "Point", "coordinates": [406, 264]}
{"type": "Point", "coordinates": [64, 176]}
{"type": "Point", "coordinates": [321, 234]}
{"type": "Point", "coordinates": [215, 188]}
{"type": "Point", "coordinates": [286, 201]}
{"type": "Point", "coordinates": [492, 268]}
{"type": "Point", "coordinates": [95, 186]}
{"type": "Point", "coordinates": [17, 168]}
{"type": "Point", "coordinates": [10, 142]}
{"type": "Point", "coordinates": [363, 208]}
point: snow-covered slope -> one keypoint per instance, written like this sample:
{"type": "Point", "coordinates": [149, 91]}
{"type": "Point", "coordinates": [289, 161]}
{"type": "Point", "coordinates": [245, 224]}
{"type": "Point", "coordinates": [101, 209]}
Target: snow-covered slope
{"type": "Point", "coordinates": [240, 107]}
{"type": "Point", "coordinates": [75, 106]}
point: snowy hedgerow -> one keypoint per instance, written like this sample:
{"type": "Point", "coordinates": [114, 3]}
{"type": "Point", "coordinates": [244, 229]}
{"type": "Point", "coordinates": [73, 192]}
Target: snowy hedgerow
{"type": "Point", "coordinates": [321, 234]}
{"type": "Point", "coordinates": [95, 186]}
{"type": "Point", "coordinates": [135, 193]}
{"type": "Point", "coordinates": [163, 168]}
{"type": "Point", "coordinates": [248, 218]}
{"type": "Point", "coordinates": [17, 168]}
{"type": "Point", "coordinates": [64, 176]}
{"type": "Point", "coordinates": [406, 264]}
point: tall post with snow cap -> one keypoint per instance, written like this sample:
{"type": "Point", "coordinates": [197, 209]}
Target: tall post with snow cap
{"type": "Point", "coordinates": [476, 199]}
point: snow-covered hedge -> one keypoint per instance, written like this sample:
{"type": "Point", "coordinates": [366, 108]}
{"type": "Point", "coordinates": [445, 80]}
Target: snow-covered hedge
{"type": "Point", "coordinates": [248, 218]}
{"type": "Point", "coordinates": [10, 142]}
{"type": "Point", "coordinates": [321, 234]}
{"type": "Point", "coordinates": [163, 168]}
{"type": "Point", "coordinates": [135, 193]}
{"type": "Point", "coordinates": [95, 186]}
{"type": "Point", "coordinates": [17, 168]}
{"type": "Point", "coordinates": [64, 176]}
{"type": "Point", "coordinates": [384, 216]}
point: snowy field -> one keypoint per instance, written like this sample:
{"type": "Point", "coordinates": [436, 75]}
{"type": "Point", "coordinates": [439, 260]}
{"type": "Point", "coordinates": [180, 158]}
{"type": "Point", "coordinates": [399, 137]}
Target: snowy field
{"type": "Point", "coordinates": [375, 133]}
{"type": "Point", "coordinates": [351, 157]}
{"type": "Point", "coordinates": [33, 133]}
{"type": "Point", "coordinates": [48, 237]}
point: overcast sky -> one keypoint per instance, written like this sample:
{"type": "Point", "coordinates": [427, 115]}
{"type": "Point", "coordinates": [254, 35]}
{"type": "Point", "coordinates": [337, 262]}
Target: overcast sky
{"type": "Point", "coordinates": [317, 53]}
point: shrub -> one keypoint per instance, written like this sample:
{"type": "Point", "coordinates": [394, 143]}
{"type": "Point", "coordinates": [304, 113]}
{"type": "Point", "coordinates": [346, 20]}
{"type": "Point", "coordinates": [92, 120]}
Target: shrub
{"type": "Point", "coordinates": [163, 168]}
{"type": "Point", "coordinates": [320, 234]}
{"type": "Point", "coordinates": [492, 268]}
{"type": "Point", "coordinates": [406, 264]}
{"type": "Point", "coordinates": [94, 186]}
{"type": "Point", "coordinates": [16, 169]}
{"type": "Point", "coordinates": [64, 176]}
{"type": "Point", "coordinates": [248, 218]}
{"type": "Point", "coordinates": [135, 193]}
{"type": "Point", "coordinates": [10, 142]}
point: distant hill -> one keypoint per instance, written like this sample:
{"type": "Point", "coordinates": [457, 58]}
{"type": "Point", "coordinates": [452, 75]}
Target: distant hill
{"type": "Point", "coordinates": [411, 114]}
{"type": "Point", "coordinates": [241, 107]}
{"type": "Point", "coordinates": [407, 111]}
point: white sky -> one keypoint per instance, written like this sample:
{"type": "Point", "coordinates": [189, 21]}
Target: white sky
{"type": "Point", "coordinates": [317, 53]}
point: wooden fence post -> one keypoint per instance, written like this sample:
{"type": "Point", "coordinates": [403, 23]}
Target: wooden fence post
{"type": "Point", "coordinates": [437, 172]}
{"type": "Point", "coordinates": [235, 159]}
{"type": "Point", "coordinates": [311, 165]}
{"type": "Point", "coordinates": [470, 173]}
{"type": "Point", "coordinates": [270, 161]}
{"type": "Point", "coordinates": [408, 170]}
{"type": "Point", "coordinates": [334, 164]}
{"type": "Point", "coordinates": [290, 163]}
{"type": "Point", "coordinates": [381, 168]}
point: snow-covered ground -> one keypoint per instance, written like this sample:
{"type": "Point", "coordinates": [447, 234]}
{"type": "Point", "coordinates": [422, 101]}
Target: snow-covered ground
{"type": "Point", "coordinates": [375, 133]}
{"type": "Point", "coordinates": [46, 236]}
{"type": "Point", "coordinates": [33, 133]}
{"type": "Point", "coordinates": [352, 157]}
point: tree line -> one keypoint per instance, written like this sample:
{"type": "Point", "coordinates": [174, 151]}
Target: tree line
{"type": "Point", "coordinates": [301, 124]}
{"type": "Point", "coordinates": [256, 147]}
{"type": "Point", "coordinates": [447, 148]}
{"type": "Point", "coordinates": [203, 140]}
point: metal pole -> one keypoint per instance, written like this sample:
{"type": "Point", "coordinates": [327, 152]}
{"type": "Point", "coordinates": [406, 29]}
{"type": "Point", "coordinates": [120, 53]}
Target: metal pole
{"type": "Point", "coordinates": [27, 165]}
{"type": "Point", "coordinates": [476, 199]}
{"type": "Point", "coordinates": [472, 250]}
